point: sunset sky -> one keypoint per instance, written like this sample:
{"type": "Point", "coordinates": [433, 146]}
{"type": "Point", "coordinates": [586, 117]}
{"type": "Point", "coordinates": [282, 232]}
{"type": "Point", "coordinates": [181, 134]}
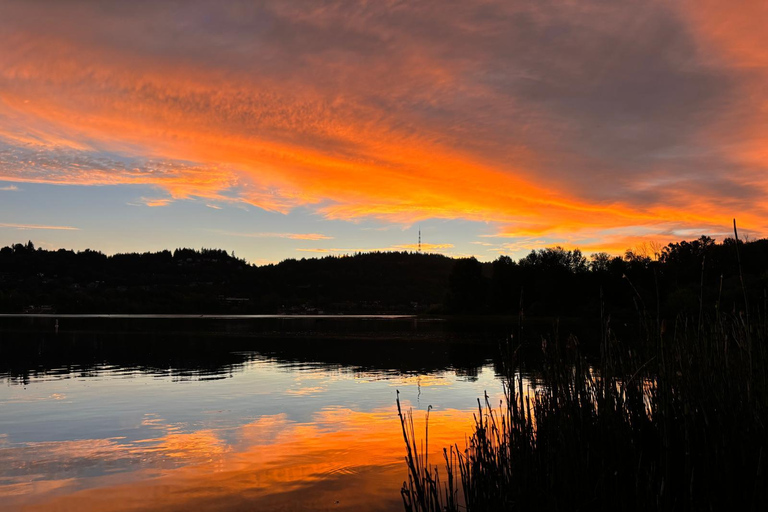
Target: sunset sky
{"type": "Point", "coordinates": [291, 129]}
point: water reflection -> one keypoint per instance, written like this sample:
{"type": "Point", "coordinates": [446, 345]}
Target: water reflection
{"type": "Point", "coordinates": [25, 356]}
{"type": "Point", "coordinates": [115, 422]}
{"type": "Point", "coordinates": [347, 460]}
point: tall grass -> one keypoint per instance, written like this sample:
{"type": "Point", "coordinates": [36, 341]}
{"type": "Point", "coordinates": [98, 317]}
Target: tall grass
{"type": "Point", "coordinates": [678, 421]}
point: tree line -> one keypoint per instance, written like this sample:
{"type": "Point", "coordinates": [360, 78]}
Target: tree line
{"type": "Point", "coordinates": [683, 277]}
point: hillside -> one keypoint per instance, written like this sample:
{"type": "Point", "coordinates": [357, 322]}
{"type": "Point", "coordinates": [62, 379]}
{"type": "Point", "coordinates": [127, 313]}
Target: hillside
{"type": "Point", "coordinates": [687, 277]}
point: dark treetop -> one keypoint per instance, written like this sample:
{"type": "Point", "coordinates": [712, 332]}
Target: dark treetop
{"type": "Point", "coordinates": [547, 282]}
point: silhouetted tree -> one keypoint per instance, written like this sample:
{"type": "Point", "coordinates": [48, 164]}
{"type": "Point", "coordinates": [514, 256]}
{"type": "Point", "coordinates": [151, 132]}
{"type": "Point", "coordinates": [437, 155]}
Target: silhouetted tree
{"type": "Point", "coordinates": [467, 289]}
{"type": "Point", "coordinates": [552, 281]}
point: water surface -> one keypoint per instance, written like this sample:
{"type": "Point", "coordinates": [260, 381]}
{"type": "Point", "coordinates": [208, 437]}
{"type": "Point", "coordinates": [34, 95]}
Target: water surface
{"type": "Point", "coordinates": [224, 418]}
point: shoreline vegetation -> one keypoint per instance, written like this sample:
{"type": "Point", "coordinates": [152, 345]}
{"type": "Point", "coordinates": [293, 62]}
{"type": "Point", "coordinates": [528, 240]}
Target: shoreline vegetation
{"type": "Point", "coordinates": [671, 417]}
{"type": "Point", "coordinates": [676, 420]}
{"type": "Point", "coordinates": [553, 282]}
{"type": "Point", "coordinates": [677, 423]}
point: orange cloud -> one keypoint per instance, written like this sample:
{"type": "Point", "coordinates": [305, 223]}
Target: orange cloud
{"type": "Point", "coordinates": [394, 248]}
{"type": "Point", "coordinates": [424, 247]}
{"type": "Point", "coordinates": [157, 202]}
{"type": "Point", "coordinates": [390, 132]}
{"type": "Point", "coordinates": [734, 41]}
{"type": "Point", "coordinates": [292, 236]}
{"type": "Point", "coordinates": [320, 250]}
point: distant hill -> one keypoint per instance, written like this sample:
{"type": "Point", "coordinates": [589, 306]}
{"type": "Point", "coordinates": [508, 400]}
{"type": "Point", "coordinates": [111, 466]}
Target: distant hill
{"type": "Point", "coordinates": [212, 281]}
{"type": "Point", "coordinates": [689, 277]}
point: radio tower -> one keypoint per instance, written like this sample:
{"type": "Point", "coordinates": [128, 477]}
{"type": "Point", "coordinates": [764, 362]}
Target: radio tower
{"type": "Point", "coordinates": [419, 238]}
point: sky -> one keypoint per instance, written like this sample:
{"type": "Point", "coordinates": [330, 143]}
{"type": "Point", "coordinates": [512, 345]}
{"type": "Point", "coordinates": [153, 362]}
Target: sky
{"type": "Point", "coordinates": [290, 129]}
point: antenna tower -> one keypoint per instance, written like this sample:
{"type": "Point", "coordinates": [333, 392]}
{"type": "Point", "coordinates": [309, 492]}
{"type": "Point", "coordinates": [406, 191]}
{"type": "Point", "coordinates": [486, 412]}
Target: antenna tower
{"type": "Point", "coordinates": [419, 238]}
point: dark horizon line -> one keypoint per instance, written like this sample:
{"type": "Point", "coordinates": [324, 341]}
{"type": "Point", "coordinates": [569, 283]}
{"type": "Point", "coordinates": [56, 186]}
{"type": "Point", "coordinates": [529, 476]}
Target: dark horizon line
{"type": "Point", "coordinates": [626, 253]}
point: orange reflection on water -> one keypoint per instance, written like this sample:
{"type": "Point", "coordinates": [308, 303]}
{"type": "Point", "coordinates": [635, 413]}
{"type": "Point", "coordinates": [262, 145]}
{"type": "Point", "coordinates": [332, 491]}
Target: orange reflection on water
{"type": "Point", "coordinates": [343, 460]}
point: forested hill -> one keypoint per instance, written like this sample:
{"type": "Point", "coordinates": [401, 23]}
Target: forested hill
{"type": "Point", "coordinates": [688, 276]}
{"type": "Point", "coordinates": [213, 281]}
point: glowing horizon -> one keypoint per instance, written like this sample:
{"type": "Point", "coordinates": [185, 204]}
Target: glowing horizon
{"type": "Point", "coordinates": [497, 127]}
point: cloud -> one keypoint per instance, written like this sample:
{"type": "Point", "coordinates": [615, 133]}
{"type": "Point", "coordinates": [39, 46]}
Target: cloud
{"type": "Point", "coordinates": [393, 248]}
{"type": "Point", "coordinates": [156, 202]}
{"type": "Point", "coordinates": [10, 188]}
{"type": "Point", "coordinates": [292, 236]}
{"type": "Point", "coordinates": [424, 247]}
{"type": "Point", "coordinates": [37, 226]}
{"type": "Point", "coordinates": [546, 119]}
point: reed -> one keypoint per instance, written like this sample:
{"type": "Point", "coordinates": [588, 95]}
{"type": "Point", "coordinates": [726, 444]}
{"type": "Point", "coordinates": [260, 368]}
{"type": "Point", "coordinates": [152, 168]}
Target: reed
{"type": "Point", "coordinates": [675, 420]}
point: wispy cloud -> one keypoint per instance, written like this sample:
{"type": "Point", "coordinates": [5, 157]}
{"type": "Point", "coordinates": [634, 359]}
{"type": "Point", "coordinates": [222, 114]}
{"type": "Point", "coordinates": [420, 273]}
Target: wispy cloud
{"type": "Point", "coordinates": [391, 248]}
{"type": "Point", "coordinates": [348, 250]}
{"type": "Point", "coordinates": [156, 202]}
{"type": "Point", "coordinates": [547, 120]}
{"type": "Point", "coordinates": [292, 236]}
{"type": "Point", "coordinates": [424, 247]}
{"type": "Point", "coordinates": [10, 188]}
{"type": "Point", "coordinates": [305, 236]}
{"type": "Point", "coordinates": [37, 226]}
